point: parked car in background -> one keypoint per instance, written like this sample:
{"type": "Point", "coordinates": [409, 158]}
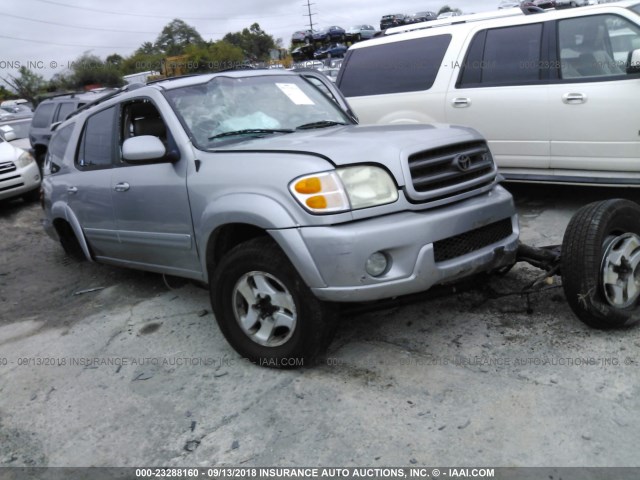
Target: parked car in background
{"type": "Point", "coordinates": [360, 32]}
{"type": "Point", "coordinates": [20, 128]}
{"type": "Point", "coordinates": [19, 173]}
{"type": "Point", "coordinates": [571, 3]}
{"type": "Point", "coordinates": [393, 20]}
{"type": "Point", "coordinates": [305, 52]}
{"type": "Point", "coordinates": [448, 15]}
{"type": "Point", "coordinates": [330, 51]}
{"type": "Point", "coordinates": [8, 112]}
{"type": "Point", "coordinates": [330, 34]}
{"type": "Point", "coordinates": [420, 17]}
{"type": "Point", "coordinates": [302, 36]}
{"type": "Point", "coordinates": [56, 109]}
{"type": "Point", "coordinates": [578, 92]}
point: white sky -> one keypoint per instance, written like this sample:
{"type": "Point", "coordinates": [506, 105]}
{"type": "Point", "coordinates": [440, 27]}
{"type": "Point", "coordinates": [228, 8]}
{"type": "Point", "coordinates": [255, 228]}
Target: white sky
{"type": "Point", "coordinates": [45, 35]}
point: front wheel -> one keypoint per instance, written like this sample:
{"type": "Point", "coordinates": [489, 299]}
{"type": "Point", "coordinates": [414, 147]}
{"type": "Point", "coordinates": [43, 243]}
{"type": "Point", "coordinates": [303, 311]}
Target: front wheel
{"type": "Point", "coordinates": [266, 311]}
{"type": "Point", "coordinates": [601, 264]}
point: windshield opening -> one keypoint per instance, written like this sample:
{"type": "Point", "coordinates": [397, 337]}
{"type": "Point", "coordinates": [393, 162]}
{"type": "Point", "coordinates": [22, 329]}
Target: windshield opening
{"type": "Point", "coordinates": [252, 107]}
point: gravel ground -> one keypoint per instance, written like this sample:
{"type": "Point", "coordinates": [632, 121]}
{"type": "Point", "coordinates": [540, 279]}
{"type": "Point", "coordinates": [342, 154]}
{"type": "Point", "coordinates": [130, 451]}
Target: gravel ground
{"type": "Point", "coordinates": [136, 373]}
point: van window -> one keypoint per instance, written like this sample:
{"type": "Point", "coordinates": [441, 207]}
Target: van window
{"type": "Point", "coordinates": [42, 117]}
{"type": "Point", "coordinates": [58, 146]}
{"type": "Point", "coordinates": [596, 46]}
{"type": "Point", "coordinates": [97, 144]}
{"type": "Point", "coordinates": [65, 109]}
{"type": "Point", "coordinates": [406, 66]}
{"type": "Point", "coordinates": [503, 56]}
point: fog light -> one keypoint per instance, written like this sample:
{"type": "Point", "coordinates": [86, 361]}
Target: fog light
{"type": "Point", "coordinates": [377, 264]}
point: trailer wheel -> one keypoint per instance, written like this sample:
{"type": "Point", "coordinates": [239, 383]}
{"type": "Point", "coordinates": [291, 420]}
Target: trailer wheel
{"type": "Point", "coordinates": [601, 264]}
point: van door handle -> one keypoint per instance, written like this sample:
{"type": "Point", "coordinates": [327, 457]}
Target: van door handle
{"type": "Point", "coordinates": [461, 102]}
{"type": "Point", "coordinates": [72, 190]}
{"type": "Point", "coordinates": [574, 98]}
{"type": "Point", "coordinates": [121, 187]}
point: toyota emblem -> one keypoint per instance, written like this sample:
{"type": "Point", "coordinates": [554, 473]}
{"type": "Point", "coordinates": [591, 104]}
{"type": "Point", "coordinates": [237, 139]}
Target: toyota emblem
{"type": "Point", "coordinates": [463, 162]}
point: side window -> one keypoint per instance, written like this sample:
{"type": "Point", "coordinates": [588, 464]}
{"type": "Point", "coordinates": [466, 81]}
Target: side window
{"type": "Point", "coordinates": [407, 66]}
{"type": "Point", "coordinates": [141, 117]}
{"type": "Point", "coordinates": [503, 56]}
{"type": "Point", "coordinates": [65, 109]}
{"type": "Point", "coordinates": [42, 117]}
{"type": "Point", "coordinates": [57, 147]}
{"type": "Point", "coordinates": [596, 46]}
{"type": "Point", "coordinates": [97, 143]}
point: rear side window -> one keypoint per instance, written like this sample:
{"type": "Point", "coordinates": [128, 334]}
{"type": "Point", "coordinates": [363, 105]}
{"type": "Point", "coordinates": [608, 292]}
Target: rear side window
{"type": "Point", "coordinates": [406, 66]}
{"type": "Point", "coordinates": [42, 117]}
{"type": "Point", "coordinates": [503, 56]}
{"type": "Point", "coordinates": [58, 146]}
{"type": "Point", "coordinates": [98, 140]}
{"type": "Point", "coordinates": [65, 109]}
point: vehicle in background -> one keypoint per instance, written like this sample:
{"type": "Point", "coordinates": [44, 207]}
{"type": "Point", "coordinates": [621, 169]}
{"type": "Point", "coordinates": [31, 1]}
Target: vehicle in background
{"type": "Point", "coordinates": [56, 109]}
{"type": "Point", "coordinates": [19, 173]}
{"type": "Point", "coordinates": [302, 36]}
{"type": "Point", "coordinates": [330, 34]}
{"type": "Point", "coordinates": [571, 3]}
{"type": "Point", "coordinates": [448, 15]}
{"type": "Point", "coordinates": [360, 32]}
{"type": "Point", "coordinates": [421, 17]}
{"type": "Point", "coordinates": [330, 51]}
{"type": "Point", "coordinates": [305, 52]}
{"type": "Point", "coordinates": [504, 4]}
{"type": "Point", "coordinates": [393, 20]}
{"type": "Point", "coordinates": [20, 127]}
{"type": "Point", "coordinates": [492, 72]}
{"type": "Point", "coordinates": [8, 112]}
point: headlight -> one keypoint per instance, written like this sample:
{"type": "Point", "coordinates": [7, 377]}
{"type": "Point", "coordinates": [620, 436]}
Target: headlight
{"type": "Point", "coordinates": [344, 189]}
{"type": "Point", "coordinates": [24, 160]}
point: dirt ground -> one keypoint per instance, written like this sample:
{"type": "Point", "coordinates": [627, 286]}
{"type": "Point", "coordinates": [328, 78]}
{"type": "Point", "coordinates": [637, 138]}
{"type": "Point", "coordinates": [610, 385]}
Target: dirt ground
{"type": "Point", "coordinates": [137, 373]}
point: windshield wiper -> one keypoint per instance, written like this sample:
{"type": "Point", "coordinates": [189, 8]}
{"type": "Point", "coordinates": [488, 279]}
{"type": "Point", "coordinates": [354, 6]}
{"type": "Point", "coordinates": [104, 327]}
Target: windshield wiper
{"type": "Point", "coordinates": [320, 124]}
{"type": "Point", "coordinates": [251, 131]}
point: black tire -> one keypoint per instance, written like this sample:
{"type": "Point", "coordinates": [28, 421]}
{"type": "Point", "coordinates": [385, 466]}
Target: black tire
{"type": "Point", "coordinates": [69, 242]}
{"type": "Point", "coordinates": [595, 233]}
{"type": "Point", "coordinates": [314, 321]}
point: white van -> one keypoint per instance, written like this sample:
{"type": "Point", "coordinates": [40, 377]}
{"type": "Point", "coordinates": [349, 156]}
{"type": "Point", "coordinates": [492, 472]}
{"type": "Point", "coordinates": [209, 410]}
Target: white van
{"type": "Point", "coordinates": [557, 94]}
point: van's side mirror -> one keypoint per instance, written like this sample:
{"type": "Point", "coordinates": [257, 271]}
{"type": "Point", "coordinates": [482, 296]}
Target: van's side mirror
{"type": "Point", "coordinates": [143, 148]}
{"type": "Point", "coordinates": [633, 62]}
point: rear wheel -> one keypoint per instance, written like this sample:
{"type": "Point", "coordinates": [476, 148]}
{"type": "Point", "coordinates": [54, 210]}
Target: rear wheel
{"type": "Point", "coordinates": [601, 264]}
{"type": "Point", "coordinates": [266, 311]}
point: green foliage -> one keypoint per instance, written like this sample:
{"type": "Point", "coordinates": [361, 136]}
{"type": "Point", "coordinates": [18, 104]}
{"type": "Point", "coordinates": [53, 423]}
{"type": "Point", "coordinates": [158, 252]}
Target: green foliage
{"type": "Point", "coordinates": [176, 36]}
{"type": "Point", "coordinates": [254, 42]}
{"type": "Point", "coordinates": [89, 69]}
{"type": "Point", "coordinates": [213, 56]}
{"type": "Point", "coordinates": [447, 8]}
{"type": "Point", "coordinates": [27, 84]}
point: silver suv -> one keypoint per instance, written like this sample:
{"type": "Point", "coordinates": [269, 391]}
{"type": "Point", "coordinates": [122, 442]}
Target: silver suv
{"type": "Point", "coordinates": [261, 184]}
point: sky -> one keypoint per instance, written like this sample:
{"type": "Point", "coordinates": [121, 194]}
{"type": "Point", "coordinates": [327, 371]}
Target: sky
{"type": "Point", "coordinates": [46, 35]}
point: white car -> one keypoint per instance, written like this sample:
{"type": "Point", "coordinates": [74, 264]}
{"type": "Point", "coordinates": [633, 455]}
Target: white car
{"type": "Point", "coordinates": [552, 92]}
{"type": "Point", "coordinates": [19, 173]}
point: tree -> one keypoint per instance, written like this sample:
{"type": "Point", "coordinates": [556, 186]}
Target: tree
{"type": "Point", "coordinates": [89, 69]}
{"type": "Point", "coordinates": [147, 48]}
{"type": "Point", "coordinates": [254, 42]}
{"type": "Point", "coordinates": [447, 8]}
{"type": "Point", "coordinates": [175, 37]}
{"type": "Point", "coordinates": [27, 84]}
{"type": "Point", "coordinates": [115, 60]}
{"type": "Point", "coordinates": [213, 56]}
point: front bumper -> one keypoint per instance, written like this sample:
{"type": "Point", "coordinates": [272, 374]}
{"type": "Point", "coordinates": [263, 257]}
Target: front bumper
{"type": "Point", "coordinates": [19, 181]}
{"type": "Point", "coordinates": [339, 253]}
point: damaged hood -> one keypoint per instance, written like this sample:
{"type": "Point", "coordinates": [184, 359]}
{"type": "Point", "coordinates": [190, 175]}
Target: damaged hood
{"type": "Point", "coordinates": [388, 145]}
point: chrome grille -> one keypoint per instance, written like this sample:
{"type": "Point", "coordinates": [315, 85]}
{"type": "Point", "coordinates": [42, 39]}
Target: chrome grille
{"type": "Point", "coordinates": [442, 170]}
{"type": "Point", "coordinates": [471, 241]}
{"type": "Point", "coordinates": [6, 167]}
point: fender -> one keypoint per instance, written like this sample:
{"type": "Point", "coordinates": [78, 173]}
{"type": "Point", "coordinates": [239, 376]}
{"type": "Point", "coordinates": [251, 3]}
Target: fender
{"type": "Point", "coordinates": [61, 210]}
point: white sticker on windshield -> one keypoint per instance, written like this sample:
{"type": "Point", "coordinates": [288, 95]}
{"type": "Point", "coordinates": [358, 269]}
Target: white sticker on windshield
{"type": "Point", "coordinates": [295, 94]}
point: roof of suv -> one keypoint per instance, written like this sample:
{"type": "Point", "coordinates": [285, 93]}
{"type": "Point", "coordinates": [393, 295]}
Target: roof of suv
{"type": "Point", "coordinates": [495, 18]}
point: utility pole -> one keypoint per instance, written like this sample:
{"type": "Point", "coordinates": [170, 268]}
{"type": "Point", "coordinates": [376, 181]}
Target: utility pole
{"type": "Point", "coordinates": [310, 15]}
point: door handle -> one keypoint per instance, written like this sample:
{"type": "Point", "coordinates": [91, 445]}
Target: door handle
{"type": "Point", "coordinates": [72, 190]}
{"type": "Point", "coordinates": [461, 102]}
{"type": "Point", "coordinates": [574, 98]}
{"type": "Point", "coordinates": [121, 187]}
